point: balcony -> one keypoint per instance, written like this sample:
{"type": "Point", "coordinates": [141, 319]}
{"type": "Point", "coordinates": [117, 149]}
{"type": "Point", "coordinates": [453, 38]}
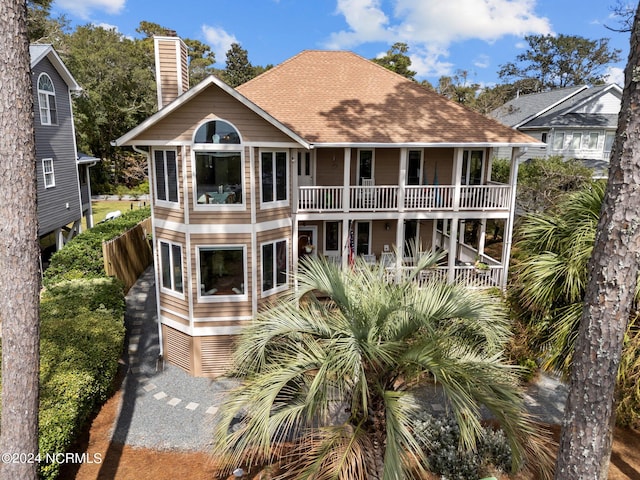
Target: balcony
{"type": "Point", "coordinates": [381, 198]}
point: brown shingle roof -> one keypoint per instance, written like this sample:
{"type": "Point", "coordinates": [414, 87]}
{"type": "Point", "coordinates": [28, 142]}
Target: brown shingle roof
{"type": "Point", "coordinates": [340, 97]}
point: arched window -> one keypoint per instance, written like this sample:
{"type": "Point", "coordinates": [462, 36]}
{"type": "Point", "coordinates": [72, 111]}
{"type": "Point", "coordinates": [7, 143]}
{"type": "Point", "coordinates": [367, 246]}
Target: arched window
{"type": "Point", "coordinates": [47, 100]}
{"type": "Point", "coordinates": [219, 166]}
{"type": "Point", "coordinates": [217, 132]}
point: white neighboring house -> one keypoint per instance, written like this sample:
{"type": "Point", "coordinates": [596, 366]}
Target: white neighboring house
{"type": "Point", "coordinates": [575, 122]}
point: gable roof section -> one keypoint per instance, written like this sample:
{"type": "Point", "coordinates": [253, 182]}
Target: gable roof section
{"type": "Point", "coordinates": [523, 109]}
{"type": "Point", "coordinates": [340, 98]}
{"type": "Point", "coordinates": [38, 52]}
{"type": "Point", "coordinates": [564, 114]}
{"type": "Point", "coordinates": [129, 137]}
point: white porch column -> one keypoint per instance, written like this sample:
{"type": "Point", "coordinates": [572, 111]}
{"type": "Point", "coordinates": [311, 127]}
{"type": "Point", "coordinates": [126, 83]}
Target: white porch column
{"type": "Point", "coordinates": [434, 234]}
{"type": "Point", "coordinates": [345, 243]}
{"type": "Point", "coordinates": [346, 201]}
{"type": "Point", "coordinates": [483, 237]}
{"type": "Point", "coordinates": [402, 178]}
{"type": "Point", "coordinates": [507, 237]}
{"type": "Point", "coordinates": [453, 249]}
{"type": "Point", "coordinates": [294, 180]}
{"type": "Point", "coordinates": [457, 178]}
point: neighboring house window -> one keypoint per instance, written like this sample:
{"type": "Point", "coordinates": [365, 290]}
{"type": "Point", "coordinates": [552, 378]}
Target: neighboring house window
{"type": "Point", "coordinates": [218, 164]}
{"type": "Point", "coordinates": [171, 266]}
{"type": "Point", "coordinates": [274, 176]}
{"type": "Point", "coordinates": [558, 141]}
{"type": "Point", "coordinates": [47, 170]}
{"type": "Point", "coordinates": [590, 141]}
{"type": "Point", "coordinates": [543, 137]}
{"type": "Point", "coordinates": [274, 266]}
{"type": "Point", "coordinates": [47, 100]}
{"type": "Point", "coordinates": [166, 170]}
{"type": "Point", "coordinates": [608, 141]}
{"type": "Point", "coordinates": [222, 271]}
{"type": "Point", "coordinates": [576, 141]}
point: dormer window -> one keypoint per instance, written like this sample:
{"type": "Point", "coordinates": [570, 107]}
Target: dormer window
{"type": "Point", "coordinates": [47, 100]}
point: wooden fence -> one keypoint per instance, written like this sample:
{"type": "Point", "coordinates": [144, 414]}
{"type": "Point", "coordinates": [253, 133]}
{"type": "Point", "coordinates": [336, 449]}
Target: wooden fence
{"type": "Point", "coordinates": [128, 255]}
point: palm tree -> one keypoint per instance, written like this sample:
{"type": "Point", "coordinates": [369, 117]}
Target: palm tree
{"type": "Point", "coordinates": [550, 281]}
{"type": "Point", "coordinates": [336, 378]}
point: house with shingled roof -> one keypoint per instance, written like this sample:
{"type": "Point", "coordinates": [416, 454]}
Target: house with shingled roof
{"type": "Point", "coordinates": [328, 155]}
{"type": "Point", "coordinates": [576, 122]}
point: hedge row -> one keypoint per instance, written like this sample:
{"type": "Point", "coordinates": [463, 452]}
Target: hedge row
{"type": "Point", "coordinates": [82, 256]}
{"type": "Point", "coordinates": [81, 337]}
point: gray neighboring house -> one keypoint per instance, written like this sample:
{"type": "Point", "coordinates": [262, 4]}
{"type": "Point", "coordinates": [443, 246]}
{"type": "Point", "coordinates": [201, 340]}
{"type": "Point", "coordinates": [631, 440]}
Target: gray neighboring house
{"type": "Point", "coordinates": [64, 191]}
{"type": "Point", "coordinates": [575, 122]}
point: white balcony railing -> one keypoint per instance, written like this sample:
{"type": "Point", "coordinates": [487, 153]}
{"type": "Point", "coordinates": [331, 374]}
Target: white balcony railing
{"type": "Point", "coordinates": [416, 198]}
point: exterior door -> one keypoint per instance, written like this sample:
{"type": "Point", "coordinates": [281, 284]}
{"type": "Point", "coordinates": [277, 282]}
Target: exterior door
{"type": "Point", "coordinates": [332, 239]}
{"type": "Point", "coordinates": [472, 167]}
{"type": "Point", "coordinates": [414, 167]}
{"type": "Point", "coordinates": [305, 168]}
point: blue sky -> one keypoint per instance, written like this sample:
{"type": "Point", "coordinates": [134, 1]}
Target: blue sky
{"type": "Point", "coordinates": [443, 35]}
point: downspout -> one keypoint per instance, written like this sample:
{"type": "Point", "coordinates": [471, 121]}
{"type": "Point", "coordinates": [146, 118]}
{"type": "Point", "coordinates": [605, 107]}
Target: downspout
{"type": "Point", "coordinates": [508, 234]}
{"type": "Point", "coordinates": [155, 260]}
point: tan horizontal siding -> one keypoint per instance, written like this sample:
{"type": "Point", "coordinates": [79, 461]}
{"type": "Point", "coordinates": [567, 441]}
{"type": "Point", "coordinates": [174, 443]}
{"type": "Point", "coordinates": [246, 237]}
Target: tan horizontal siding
{"type": "Point", "coordinates": [222, 309]}
{"type": "Point", "coordinates": [168, 214]}
{"type": "Point", "coordinates": [171, 236]}
{"type": "Point", "coordinates": [387, 166]}
{"type": "Point", "coordinates": [440, 161]}
{"type": "Point", "coordinates": [174, 304]}
{"type": "Point", "coordinates": [180, 124]}
{"type": "Point", "coordinates": [330, 166]}
{"type": "Point", "coordinates": [174, 317]}
{"type": "Point", "coordinates": [271, 214]}
{"type": "Point", "coordinates": [229, 323]}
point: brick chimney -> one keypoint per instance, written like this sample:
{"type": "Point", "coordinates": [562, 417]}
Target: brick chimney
{"type": "Point", "coordinates": [172, 73]}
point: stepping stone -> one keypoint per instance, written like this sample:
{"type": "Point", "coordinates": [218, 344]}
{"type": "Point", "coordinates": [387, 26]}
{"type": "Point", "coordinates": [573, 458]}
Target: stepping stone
{"type": "Point", "coordinates": [136, 370]}
{"type": "Point", "coordinates": [149, 387]}
{"type": "Point", "coordinates": [133, 348]}
{"type": "Point", "coordinates": [192, 406]}
{"type": "Point", "coordinates": [436, 407]}
{"type": "Point", "coordinates": [212, 410]}
{"type": "Point", "coordinates": [136, 331]}
{"type": "Point", "coordinates": [160, 395]}
{"type": "Point", "coordinates": [137, 323]}
{"type": "Point", "coordinates": [134, 339]}
{"type": "Point", "coordinates": [174, 401]}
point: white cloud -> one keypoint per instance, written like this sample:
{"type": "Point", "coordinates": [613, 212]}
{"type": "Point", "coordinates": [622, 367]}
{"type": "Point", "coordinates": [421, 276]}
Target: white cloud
{"type": "Point", "coordinates": [84, 8]}
{"type": "Point", "coordinates": [219, 40]}
{"type": "Point", "coordinates": [615, 75]}
{"type": "Point", "coordinates": [431, 26]}
{"type": "Point", "coordinates": [482, 61]}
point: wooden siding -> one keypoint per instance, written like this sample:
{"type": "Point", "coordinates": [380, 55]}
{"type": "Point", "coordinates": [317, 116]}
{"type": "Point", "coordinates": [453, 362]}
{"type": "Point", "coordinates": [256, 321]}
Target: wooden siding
{"type": "Point", "coordinates": [440, 161]}
{"type": "Point", "coordinates": [57, 142]}
{"type": "Point", "coordinates": [180, 125]}
{"type": "Point", "coordinates": [168, 70]}
{"type": "Point", "coordinates": [387, 166]}
{"type": "Point", "coordinates": [330, 166]}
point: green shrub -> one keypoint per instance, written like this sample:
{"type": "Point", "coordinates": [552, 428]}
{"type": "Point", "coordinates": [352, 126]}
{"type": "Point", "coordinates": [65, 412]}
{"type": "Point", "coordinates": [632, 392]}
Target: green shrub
{"type": "Point", "coordinates": [440, 438]}
{"type": "Point", "coordinates": [81, 339]}
{"type": "Point", "coordinates": [82, 256]}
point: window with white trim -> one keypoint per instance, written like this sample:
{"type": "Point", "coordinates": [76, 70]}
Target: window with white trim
{"type": "Point", "coordinates": [171, 266]}
{"type": "Point", "coordinates": [273, 166]}
{"type": "Point", "coordinates": [166, 173]}
{"type": "Point", "coordinates": [558, 141]}
{"type": "Point", "coordinates": [222, 271]}
{"type": "Point", "coordinates": [219, 166]}
{"type": "Point", "coordinates": [47, 171]}
{"type": "Point", "coordinates": [47, 100]}
{"type": "Point", "coordinates": [275, 266]}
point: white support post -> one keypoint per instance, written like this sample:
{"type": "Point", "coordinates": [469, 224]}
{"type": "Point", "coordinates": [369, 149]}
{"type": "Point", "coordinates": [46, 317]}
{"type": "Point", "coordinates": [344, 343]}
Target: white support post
{"type": "Point", "coordinates": [345, 243]}
{"type": "Point", "coordinates": [402, 178]}
{"type": "Point", "coordinates": [453, 249]}
{"type": "Point", "coordinates": [507, 237]}
{"type": "Point", "coordinates": [434, 235]}
{"type": "Point", "coordinates": [483, 237]}
{"type": "Point", "coordinates": [457, 178]}
{"type": "Point", "coordinates": [346, 197]}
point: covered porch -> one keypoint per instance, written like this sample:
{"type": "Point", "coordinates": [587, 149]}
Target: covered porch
{"type": "Point", "coordinates": [474, 249]}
